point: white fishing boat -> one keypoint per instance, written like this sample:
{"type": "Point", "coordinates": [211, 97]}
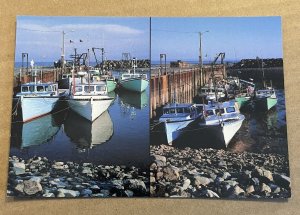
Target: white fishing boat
{"type": "Point", "coordinates": [176, 117]}
{"type": "Point", "coordinates": [222, 120]}
{"type": "Point", "coordinates": [133, 81]}
{"type": "Point", "coordinates": [89, 100]}
{"type": "Point", "coordinates": [210, 93]}
{"type": "Point", "coordinates": [36, 99]}
{"type": "Point", "coordinates": [265, 99]}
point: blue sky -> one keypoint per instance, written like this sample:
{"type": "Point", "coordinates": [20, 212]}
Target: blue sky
{"type": "Point", "coordinates": [41, 37]}
{"type": "Point", "coordinates": [238, 37]}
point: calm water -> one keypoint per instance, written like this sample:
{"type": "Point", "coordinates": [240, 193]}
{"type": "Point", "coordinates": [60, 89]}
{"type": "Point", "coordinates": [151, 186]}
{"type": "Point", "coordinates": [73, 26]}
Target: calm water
{"type": "Point", "coordinates": [119, 136]}
{"type": "Point", "coordinates": [261, 132]}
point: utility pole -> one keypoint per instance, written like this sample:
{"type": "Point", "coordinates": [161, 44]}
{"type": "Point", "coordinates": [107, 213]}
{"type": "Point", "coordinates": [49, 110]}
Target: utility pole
{"type": "Point", "coordinates": [200, 57]}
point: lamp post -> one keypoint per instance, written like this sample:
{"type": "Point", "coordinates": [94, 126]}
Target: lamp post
{"type": "Point", "coordinates": [200, 57]}
{"type": "Point", "coordinates": [63, 49]}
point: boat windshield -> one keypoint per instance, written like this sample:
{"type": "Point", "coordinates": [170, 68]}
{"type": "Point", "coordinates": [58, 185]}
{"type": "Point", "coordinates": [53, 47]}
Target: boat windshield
{"type": "Point", "coordinates": [219, 111]}
{"type": "Point", "coordinates": [27, 89]}
{"type": "Point", "coordinates": [88, 89]}
{"type": "Point", "coordinates": [230, 109]}
{"type": "Point", "coordinates": [40, 88]}
{"type": "Point", "coordinates": [78, 89]}
{"type": "Point", "coordinates": [100, 88]}
{"type": "Point", "coordinates": [169, 110]}
{"type": "Point", "coordinates": [210, 112]}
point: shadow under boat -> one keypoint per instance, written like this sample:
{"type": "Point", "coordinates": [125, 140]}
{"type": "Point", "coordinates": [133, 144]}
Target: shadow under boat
{"type": "Point", "coordinates": [36, 132]}
{"type": "Point", "coordinates": [134, 99]}
{"type": "Point", "coordinates": [86, 134]}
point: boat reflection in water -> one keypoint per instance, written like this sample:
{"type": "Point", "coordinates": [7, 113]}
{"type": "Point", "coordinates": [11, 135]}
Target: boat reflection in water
{"type": "Point", "coordinates": [134, 99]}
{"type": "Point", "coordinates": [36, 132]}
{"type": "Point", "coordinates": [86, 134]}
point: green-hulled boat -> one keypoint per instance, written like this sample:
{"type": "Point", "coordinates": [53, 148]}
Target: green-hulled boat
{"type": "Point", "coordinates": [242, 100]}
{"type": "Point", "coordinates": [265, 99]}
{"type": "Point", "coordinates": [110, 82]}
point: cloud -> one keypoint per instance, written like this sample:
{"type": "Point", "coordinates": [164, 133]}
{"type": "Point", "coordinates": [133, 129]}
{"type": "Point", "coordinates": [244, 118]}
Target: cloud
{"type": "Point", "coordinates": [103, 28]}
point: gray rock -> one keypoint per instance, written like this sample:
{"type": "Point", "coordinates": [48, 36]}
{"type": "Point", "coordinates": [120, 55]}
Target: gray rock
{"type": "Point", "coordinates": [186, 184]}
{"type": "Point", "coordinates": [232, 183]}
{"type": "Point", "coordinates": [135, 185]}
{"type": "Point", "coordinates": [250, 189]}
{"type": "Point", "coordinates": [20, 187]}
{"type": "Point", "coordinates": [263, 174]}
{"type": "Point", "coordinates": [87, 170]}
{"type": "Point", "coordinates": [265, 188]}
{"type": "Point", "coordinates": [129, 193]}
{"type": "Point", "coordinates": [86, 192]}
{"type": "Point", "coordinates": [159, 158]}
{"type": "Point", "coordinates": [171, 173]}
{"type": "Point", "coordinates": [199, 180]}
{"type": "Point", "coordinates": [105, 193]}
{"type": "Point", "coordinates": [222, 164]}
{"type": "Point", "coordinates": [237, 191]}
{"type": "Point", "coordinates": [32, 187]}
{"type": "Point", "coordinates": [18, 168]}
{"type": "Point", "coordinates": [48, 195]}
{"type": "Point", "coordinates": [68, 193]}
{"type": "Point", "coordinates": [226, 175]}
{"type": "Point", "coordinates": [211, 194]}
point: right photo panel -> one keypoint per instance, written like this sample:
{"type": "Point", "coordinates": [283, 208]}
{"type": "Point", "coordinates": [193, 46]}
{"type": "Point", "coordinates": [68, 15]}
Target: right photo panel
{"type": "Point", "coordinates": [217, 115]}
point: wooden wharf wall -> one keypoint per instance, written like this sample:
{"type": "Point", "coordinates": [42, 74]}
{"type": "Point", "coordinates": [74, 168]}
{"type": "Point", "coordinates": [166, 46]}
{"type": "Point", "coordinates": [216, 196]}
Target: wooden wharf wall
{"type": "Point", "coordinates": [182, 83]}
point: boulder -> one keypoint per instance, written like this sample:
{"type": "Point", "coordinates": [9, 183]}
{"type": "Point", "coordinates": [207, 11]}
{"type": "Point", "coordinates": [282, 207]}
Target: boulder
{"type": "Point", "coordinates": [200, 180]}
{"type": "Point", "coordinates": [68, 193]}
{"type": "Point", "coordinates": [32, 187]}
{"type": "Point", "coordinates": [171, 173]}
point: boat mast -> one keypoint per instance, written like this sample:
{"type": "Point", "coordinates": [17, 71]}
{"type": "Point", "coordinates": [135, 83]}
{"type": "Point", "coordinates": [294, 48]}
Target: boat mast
{"type": "Point", "coordinates": [88, 64]}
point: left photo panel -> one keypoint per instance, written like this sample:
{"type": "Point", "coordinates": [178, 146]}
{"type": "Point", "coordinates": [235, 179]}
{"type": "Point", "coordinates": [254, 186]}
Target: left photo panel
{"type": "Point", "coordinates": [80, 107]}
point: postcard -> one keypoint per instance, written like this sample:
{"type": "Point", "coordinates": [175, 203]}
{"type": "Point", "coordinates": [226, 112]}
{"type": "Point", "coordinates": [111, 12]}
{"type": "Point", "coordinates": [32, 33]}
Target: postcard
{"type": "Point", "coordinates": [80, 125]}
{"type": "Point", "coordinates": [149, 107]}
{"type": "Point", "coordinates": [218, 115]}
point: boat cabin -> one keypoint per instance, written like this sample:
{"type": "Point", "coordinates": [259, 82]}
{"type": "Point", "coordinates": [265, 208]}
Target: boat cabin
{"type": "Point", "coordinates": [133, 75]}
{"type": "Point", "coordinates": [92, 89]}
{"type": "Point", "coordinates": [47, 89]}
{"type": "Point", "coordinates": [178, 110]}
{"type": "Point", "coordinates": [224, 108]}
{"type": "Point", "coordinates": [265, 93]}
{"type": "Point", "coordinates": [206, 90]}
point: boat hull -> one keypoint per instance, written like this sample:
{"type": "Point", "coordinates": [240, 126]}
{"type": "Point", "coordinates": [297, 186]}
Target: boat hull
{"type": "Point", "coordinates": [111, 85]}
{"type": "Point", "coordinates": [242, 101]}
{"type": "Point", "coordinates": [35, 107]}
{"type": "Point", "coordinates": [90, 108]}
{"type": "Point", "coordinates": [265, 104]}
{"type": "Point", "coordinates": [134, 84]}
{"type": "Point", "coordinates": [174, 129]}
{"type": "Point", "coordinates": [220, 134]}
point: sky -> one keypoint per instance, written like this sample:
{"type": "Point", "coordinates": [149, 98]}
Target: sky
{"type": "Point", "coordinates": [178, 38]}
{"type": "Point", "coordinates": [41, 37]}
{"type": "Point", "coordinates": [238, 37]}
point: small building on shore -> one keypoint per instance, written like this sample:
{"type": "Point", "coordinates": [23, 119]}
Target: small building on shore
{"type": "Point", "coordinates": [179, 64]}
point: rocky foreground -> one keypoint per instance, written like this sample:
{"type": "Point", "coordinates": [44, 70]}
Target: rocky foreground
{"type": "Point", "coordinates": [39, 177]}
{"type": "Point", "coordinates": [214, 173]}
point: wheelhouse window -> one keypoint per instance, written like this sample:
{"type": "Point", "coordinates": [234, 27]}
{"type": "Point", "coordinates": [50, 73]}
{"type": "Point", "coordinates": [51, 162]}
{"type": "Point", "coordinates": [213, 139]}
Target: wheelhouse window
{"type": "Point", "coordinates": [199, 109]}
{"type": "Point", "coordinates": [100, 88]}
{"type": "Point", "coordinates": [78, 89]}
{"type": "Point", "coordinates": [169, 110]}
{"type": "Point", "coordinates": [31, 88]}
{"type": "Point", "coordinates": [210, 112]}
{"type": "Point", "coordinates": [88, 89]}
{"type": "Point", "coordinates": [180, 110]}
{"type": "Point", "coordinates": [187, 110]}
{"type": "Point", "coordinates": [219, 111]}
{"type": "Point", "coordinates": [25, 89]}
{"type": "Point", "coordinates": [40, 88]}
{"type": "Point", "coordinates": [230, 109]}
